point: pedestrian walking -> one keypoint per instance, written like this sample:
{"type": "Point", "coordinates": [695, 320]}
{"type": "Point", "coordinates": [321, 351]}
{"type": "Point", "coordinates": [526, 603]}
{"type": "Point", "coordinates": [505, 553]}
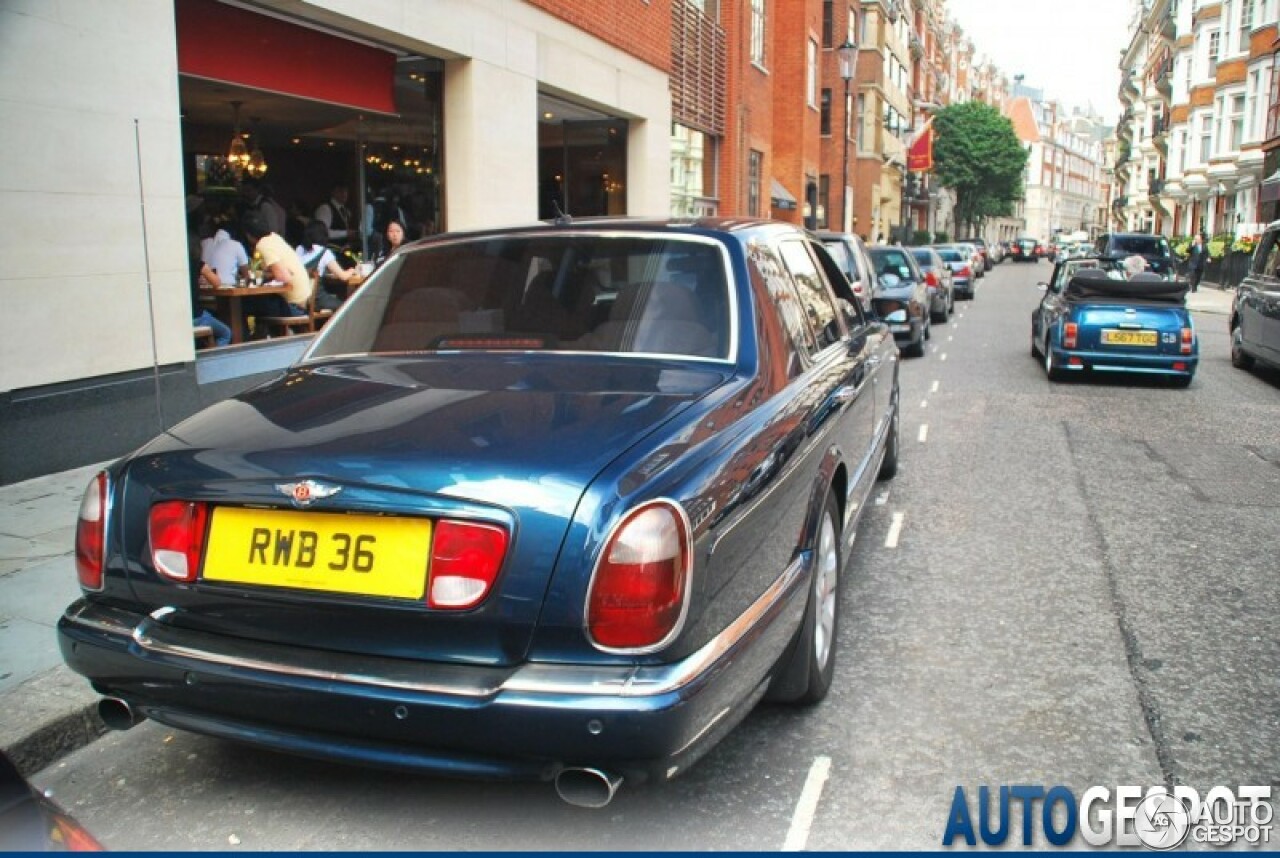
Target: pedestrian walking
{"type": "Point", "coordinates": [1196, 258]}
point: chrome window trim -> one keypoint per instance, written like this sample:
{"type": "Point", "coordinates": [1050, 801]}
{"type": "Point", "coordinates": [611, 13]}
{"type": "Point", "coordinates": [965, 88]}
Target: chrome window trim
{"type": "Point", "coordinates": [570, 232]}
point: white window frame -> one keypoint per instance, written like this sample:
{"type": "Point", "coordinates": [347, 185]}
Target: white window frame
{"type": "Point", "coordinates": [758, 28]}
{"type": "Point", "coordinates": [811, 74]}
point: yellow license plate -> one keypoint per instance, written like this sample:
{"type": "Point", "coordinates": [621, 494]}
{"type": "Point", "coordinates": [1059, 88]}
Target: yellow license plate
{"type": "Point", "coordinates": [1130, 338]}
{"type": "Point", "coordinates": [368, 555]}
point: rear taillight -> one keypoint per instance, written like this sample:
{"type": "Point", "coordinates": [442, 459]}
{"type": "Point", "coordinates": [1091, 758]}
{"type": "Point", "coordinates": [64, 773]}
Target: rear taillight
{"type": "Point", "coordinates": [177, 531]}
{"type": "Point", "coordinates": [966, 271]}
{"type": "Point", "coordinates": [1188, 337]}
{"type": "Point", "coordinates": [638, 591]}
{"type": "Point", "coordinates": [1069, 332]}
{"type": "Point", "coordinates": [465, 559]}
{"type": "Point", "coordinates": [931, 278]}
{"type": "Point", "coordinates": [91, 530]}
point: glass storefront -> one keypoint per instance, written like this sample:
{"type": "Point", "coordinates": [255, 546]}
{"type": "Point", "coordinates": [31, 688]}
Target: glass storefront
{"type": "Point", "coordinates": [582, 161]}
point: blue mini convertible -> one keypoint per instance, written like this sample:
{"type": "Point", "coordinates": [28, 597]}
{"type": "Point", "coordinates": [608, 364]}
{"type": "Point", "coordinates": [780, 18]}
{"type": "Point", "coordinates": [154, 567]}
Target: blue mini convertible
{"type": "Point", "coordinates": [1093, 318]}
{"type": "Point", "coordinates": [559, 503]}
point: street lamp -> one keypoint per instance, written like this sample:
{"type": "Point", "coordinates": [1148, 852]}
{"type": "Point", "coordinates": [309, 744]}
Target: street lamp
{"type": "Point", "coordinates": [848, 55]}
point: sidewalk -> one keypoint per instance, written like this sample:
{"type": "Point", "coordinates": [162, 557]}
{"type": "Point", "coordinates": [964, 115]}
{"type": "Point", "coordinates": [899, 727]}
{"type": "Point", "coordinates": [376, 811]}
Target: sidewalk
{"type": "Point", "coordinates": [47, 711]}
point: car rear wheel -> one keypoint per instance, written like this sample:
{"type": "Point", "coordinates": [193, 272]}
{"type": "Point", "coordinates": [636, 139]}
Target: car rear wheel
{"type": "Point", "coordinates": [805, 673]}
{"type": "Point", "coordinates": [1050, 365]}
{"type": "Point", "coordinates": [1240, 359]}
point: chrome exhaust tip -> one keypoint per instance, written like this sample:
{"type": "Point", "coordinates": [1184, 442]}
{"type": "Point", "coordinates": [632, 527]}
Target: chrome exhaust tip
{"type": "Point", "coordinates": [587, 787]}
{"type": "Point", "coordinates": [117, 714]}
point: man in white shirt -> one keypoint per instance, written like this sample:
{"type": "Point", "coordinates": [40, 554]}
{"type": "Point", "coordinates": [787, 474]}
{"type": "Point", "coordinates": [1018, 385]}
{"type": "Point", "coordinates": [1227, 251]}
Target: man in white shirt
{"type": "Point", "coordinates": [226, 256]}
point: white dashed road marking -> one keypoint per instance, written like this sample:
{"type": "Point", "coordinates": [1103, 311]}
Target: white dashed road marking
{"type": "Point", "coordinates": [924, 432]}
{"type": "Point", "coordinates": [895, 530]}
{"type": "Point", "coordinates": [934, 387]}
{"type": "Point", "coordinates": [942, 356]}
{"type": "Point", "coordinates": [882, 498]}
{"type": "Point", "coordinates": [924, 403]}
{"type": "Point", "coordinates": [807, 807]}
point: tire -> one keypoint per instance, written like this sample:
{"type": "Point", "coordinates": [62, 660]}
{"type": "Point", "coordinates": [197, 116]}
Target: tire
{"type": "Point", "coordinates": [1050, 367]}
{"type": "Point", "coordinates": [1035, 349]}
{"type": "Point", "coordinates": [916, 349]}
{"type": "Point", "coordinates": [1240, 359]}
{"type": "Point", "coordinates": [889, 465]}
{"type": "Point", "coordinates": [807, 668]}
{"type": "Point", "coordinates": [928, 332]}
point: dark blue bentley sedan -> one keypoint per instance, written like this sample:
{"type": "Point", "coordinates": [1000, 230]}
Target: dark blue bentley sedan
{"type": "Point", "coordinates": [560, 503]}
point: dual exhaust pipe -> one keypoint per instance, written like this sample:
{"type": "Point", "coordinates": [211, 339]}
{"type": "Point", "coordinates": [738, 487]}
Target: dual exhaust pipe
{"type": "Point", "coordinates": [581, 787]}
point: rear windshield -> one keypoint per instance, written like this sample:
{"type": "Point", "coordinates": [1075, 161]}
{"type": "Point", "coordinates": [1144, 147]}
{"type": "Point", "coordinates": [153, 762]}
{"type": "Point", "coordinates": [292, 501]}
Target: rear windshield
{"type": "Point", "coordinates": [950, 254]}
{"type": "Point", "coordinates": [1148, 245]}
{"type": "Point", "coordinates": [564, 292]}
{"type": "Point", "coordinates": [890, 260]}
{"type": "Point", "coordinates": [924, 257]}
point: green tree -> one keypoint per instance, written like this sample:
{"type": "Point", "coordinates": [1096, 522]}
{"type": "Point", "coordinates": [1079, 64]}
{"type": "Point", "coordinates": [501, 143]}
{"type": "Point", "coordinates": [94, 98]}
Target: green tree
{"type": "Point", "coordinates": [977, 154]}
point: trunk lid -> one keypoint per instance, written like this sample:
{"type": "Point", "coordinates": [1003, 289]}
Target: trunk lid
{"type": "Point", "coordinates": [1146, 329]}
{"type": "Point", "coordinates": [508, 441]}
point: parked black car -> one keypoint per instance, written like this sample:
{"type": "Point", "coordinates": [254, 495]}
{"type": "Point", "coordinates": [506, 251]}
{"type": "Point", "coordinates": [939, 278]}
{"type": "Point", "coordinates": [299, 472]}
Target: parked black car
{"type": "Point", "coordinates": [1024, 250]}
{"type": "Point", "coordinates": [1153, 248]}
{"type": "Point", "coordinates": [902, 298]}
{"type": "Point", "coordinates": [1255, 315]}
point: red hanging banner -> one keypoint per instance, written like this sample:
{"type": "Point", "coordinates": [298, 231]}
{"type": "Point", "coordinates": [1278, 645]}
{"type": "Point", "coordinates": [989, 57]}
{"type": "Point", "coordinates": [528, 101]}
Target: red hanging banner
{"type": "Point", "coordinates": [920, 154]}
{"type": "Point", "coordinates": [226, 43]}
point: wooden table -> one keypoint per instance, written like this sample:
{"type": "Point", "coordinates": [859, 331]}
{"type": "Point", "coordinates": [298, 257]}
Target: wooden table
{"type": "Point", "coordinates": [229, 306]}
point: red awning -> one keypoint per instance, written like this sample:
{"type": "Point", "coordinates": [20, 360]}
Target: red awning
{"type": "Point", "coordinates": [226, 43]}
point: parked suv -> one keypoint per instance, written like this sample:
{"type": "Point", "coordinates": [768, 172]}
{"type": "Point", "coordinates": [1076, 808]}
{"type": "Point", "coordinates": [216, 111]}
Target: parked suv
{"type": "Point", "coordinates": [1255, 315]}
{"type": "Point", "coordinates": [1153, 248]}
{"type": "Point", "coordinates": [850, 255]}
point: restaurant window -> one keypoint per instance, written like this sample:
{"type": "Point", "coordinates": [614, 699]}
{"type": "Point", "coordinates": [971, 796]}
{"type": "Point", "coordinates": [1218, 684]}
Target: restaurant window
{"type": "Point", "coordinates": [757, 31]}
{"type": "Point", "coordinates": [582, 161]}
{"type": "Point", "coordinates": [755, 169]}
{"type": "Point", "coordinates": [824, 122]}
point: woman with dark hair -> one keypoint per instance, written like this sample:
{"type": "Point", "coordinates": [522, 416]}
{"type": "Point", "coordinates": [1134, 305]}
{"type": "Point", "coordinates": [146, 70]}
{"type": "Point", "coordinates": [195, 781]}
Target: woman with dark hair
{"type": "Point", "coordinates": [392, 239]}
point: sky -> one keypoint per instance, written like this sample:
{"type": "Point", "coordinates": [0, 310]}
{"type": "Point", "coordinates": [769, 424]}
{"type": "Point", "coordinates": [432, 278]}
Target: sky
{"type": "Point", "coordinates": [1071, 49]}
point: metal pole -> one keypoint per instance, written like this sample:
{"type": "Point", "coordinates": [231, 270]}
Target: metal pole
{"type": "Point", "coordinates": [146, 264]}
{"type": "Point", "coordinates": [845, 224]}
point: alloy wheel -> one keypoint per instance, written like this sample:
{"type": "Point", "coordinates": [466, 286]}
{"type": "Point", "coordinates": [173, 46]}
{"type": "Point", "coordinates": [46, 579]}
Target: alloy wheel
{"type": "Point", "coordinates": [824, 593]}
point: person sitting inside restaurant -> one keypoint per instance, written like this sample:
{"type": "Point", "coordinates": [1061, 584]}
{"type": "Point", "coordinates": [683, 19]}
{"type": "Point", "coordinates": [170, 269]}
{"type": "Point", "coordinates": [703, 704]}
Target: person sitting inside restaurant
{"type": "Point", "coordinates": [280, 262]}
{"type": "Point", "coordinates": [392, 239]}
{"type": "Point", "coordinates": [317, 256]}
{"type": "Point", "coordinates": [335, 215]}
{"type": "Point", "coordinates": [200, 315]}
{"type": "Point", "coordinates": [223, 253]}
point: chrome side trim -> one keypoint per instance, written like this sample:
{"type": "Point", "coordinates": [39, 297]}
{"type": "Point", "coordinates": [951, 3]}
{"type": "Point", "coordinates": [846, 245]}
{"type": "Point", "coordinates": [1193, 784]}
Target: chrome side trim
{"type": "Point", "coordinates": [155, 638]}
{"type": "Point", "coordinates": [655, 680]}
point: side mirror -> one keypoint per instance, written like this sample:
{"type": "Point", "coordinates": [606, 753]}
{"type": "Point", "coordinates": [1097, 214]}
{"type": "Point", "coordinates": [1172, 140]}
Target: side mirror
{"type": "Point", "coordinates": [849, 311]}
{"type": "Point", "coordinates": [897, 317]}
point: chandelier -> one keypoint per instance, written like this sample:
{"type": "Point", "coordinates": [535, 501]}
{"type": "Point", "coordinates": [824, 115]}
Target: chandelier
{"type": "Point", "coordinates": [237, 153]}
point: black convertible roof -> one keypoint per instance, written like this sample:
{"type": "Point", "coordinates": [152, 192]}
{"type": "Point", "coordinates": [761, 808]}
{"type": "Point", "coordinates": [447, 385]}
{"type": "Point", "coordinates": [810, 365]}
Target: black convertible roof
{"type": "Point", "coordinates": [1093, 286]}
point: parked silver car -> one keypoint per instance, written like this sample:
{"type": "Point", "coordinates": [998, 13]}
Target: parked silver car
{"type": "Point", "coordinates": [962, 279]}
{"type": "Point", "coordinates": [850, 254]}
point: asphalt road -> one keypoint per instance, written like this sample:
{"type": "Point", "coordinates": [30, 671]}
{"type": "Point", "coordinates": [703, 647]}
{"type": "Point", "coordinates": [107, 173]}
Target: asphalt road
{"type": "Point", "coordinates": [1066, 584]}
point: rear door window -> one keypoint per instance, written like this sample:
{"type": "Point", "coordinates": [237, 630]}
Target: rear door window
{"type": "Point", "coordinates": [816, 303]}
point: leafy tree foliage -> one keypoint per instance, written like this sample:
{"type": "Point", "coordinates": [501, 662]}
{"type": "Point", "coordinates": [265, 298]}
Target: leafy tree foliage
{"type": "Point", "coordinates": [977, 154]}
